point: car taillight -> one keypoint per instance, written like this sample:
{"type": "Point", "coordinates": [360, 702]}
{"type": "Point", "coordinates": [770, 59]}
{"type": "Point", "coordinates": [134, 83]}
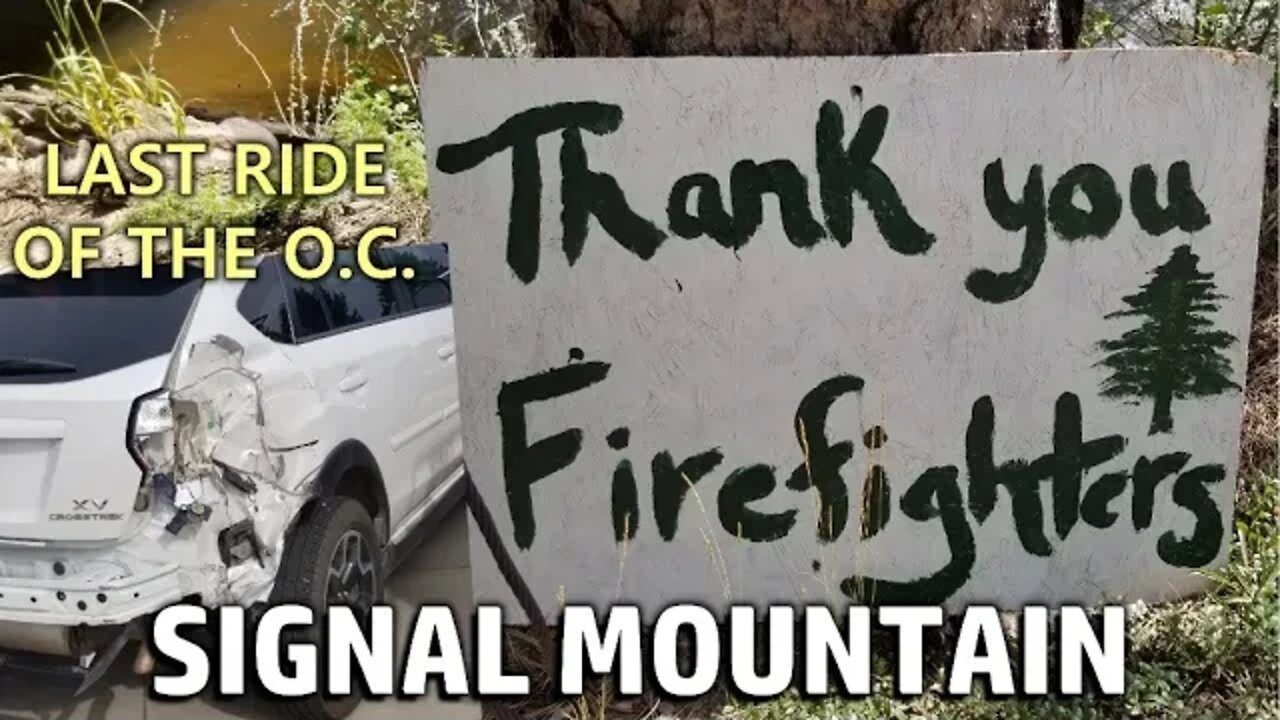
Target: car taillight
{"type": "Point", "coordinates": [150, 433]}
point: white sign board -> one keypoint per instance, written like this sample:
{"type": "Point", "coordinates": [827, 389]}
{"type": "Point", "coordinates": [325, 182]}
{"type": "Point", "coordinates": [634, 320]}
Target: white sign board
{"type": "Point", "coordinates": [941, 329]}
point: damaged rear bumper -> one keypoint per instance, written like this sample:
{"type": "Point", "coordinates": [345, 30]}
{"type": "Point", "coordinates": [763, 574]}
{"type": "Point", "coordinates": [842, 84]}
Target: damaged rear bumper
{"type": "Point", "coordinates": [71, 611]}
{"type": "Point", "coordinates": [78, 587]}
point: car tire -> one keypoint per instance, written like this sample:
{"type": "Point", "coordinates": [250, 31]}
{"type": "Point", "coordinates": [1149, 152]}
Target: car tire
{"type": "Point", "coordinates": [322, 541]}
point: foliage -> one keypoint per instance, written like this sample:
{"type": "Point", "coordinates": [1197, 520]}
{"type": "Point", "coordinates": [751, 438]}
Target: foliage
{"type": "Point", "coordinates": [210, 206]}
{"type": "Point", "coordinates": [1100, 29]}
{"type": "Point", "coordinates": [96, 92]}
{"type": "Point", "coordinates": [1248, 25]}
{"type": "Point", "coordinates": [8, 137]}
{"type": "Point", "coordinates": [389, 39]}
{"type": "Point", "coordinates": [365, 112]}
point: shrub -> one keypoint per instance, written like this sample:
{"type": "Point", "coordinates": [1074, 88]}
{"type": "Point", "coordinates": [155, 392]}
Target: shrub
{"type": "Point", "coordinates": [365, 112]}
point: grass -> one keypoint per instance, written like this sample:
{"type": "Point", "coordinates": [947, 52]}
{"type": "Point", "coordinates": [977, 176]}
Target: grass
{"type": "Point", "coordinates": [211, 206]}
{"type": "Point", "coordinates": [94, 92]}
{"type": "Point", "coordinates": [1216, 656]}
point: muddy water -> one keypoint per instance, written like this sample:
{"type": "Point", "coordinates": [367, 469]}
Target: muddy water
{"type": "Point", "coordinates": [198, 51]}
{"type": "Point", "coordinates": [226, 55]}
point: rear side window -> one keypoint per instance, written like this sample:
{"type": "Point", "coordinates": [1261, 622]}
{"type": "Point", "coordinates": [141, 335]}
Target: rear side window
{"type": "Point", "coordinates": [429, 288]}
{"type": "Point", "coordinates": [309, 313]}
{"type": "Point", "coordinates": [262, 302]}
{"type": "Point", "coordinates": [360, 298]}
{"type": "Point", "coordinates": [62, 329]}
{"type": "Point", "coordinates": [332, 303]}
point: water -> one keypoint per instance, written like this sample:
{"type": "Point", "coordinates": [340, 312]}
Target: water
{"type": "Point", "coordinates": [198, 52]}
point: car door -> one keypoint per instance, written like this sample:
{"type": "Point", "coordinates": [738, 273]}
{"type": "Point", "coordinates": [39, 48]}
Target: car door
{"type": "Point", "coordinates": [350, 339]}
{"type": "Point", "coordinates": [437, 445]}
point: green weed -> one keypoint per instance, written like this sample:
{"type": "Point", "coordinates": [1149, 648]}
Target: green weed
{"type": "Point", "coordinates": [95, 92]}
{"type": "Point", "coordinates": [365, 112]}
{"type": "Point", "coordinates": [211, 206]}
{"type": "Point", "coordinates": [8, 138]}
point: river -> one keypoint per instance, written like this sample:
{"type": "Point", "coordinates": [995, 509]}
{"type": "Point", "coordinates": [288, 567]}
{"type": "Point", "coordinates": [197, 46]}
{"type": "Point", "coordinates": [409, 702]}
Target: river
{"type": "Point", "coordinates": [198, 52]}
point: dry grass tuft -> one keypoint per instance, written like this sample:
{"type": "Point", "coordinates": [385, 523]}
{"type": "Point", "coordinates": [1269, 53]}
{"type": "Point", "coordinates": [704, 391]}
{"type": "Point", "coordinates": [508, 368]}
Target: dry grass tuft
{"type": "Point", "coordinates": [530, 651]}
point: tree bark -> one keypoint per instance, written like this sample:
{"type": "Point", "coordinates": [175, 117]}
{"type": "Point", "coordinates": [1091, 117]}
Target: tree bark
{"type": "Point", "coordinates": [639, 28]}
{"type": "Point", "coordinates": [1162, 413]}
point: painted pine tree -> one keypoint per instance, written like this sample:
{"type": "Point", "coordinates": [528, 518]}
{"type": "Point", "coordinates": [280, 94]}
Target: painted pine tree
{"type": "Point", "coordinates": [1175, 353]}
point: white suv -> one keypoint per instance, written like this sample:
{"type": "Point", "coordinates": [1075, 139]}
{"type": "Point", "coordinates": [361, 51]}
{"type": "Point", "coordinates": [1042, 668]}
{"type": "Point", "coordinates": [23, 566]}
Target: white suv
{"type": "Point", "coordinates": [231, 442]}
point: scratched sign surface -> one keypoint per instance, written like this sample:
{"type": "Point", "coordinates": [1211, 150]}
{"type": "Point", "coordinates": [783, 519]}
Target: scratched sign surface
{"type": "Point", "coordinates": [941, 329]}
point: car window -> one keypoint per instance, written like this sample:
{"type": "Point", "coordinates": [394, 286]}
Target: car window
{"type": "Point", "coordinates": [62, 328]}
{"type": "Point", "coordinates": [310, 316]}
{"type": "Point", "coordinates": [262, 302]}
{"type": "Point", "coordinates": [332, 303]}
{"type": "Point", "coordinates": [430, 287]}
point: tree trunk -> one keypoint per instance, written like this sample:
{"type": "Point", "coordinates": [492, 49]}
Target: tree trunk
{"type": "Point", "coordinates": [624, 28]}
{"type": "Point", "coordinates": [1162, 414]}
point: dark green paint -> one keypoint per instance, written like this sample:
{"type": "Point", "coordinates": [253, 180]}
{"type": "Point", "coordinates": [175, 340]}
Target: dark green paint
{"type": "Point", "coordinates": [824, 460]}
{"type": "Point", "coordinates": [843, 173]}
{"type": "Point", "coordinates": [875, 438]}
{"type": "Point", "coordinates": [1205, 543]}
{"type": "Point", "coordinates": [625, 502]}
{"type": "Point", "coordinates": [523, 463]}
{"type": "Point", "coordinates": [847, 171]}
{"type": "Point", "coordinates": [708, 217]}
{"type": "Point", "coordinates": [1072, 222]}
{"type": "Point", "coordinates": [519, 133]}
{"type": "Point", "coordinates": [1070, 459]}
{"type": "Point", "coordinates": [586, 194]}
{"type": "Point", "coordinates": [876, 502]}
{"type": "Point", "coordinates": [936, 493]}
{"type": "Point", "coordinates": [742, 487]}
{"type": "Point", "coordinates": [1184, 210]}
{"type": "Point", "coordinates": [1027, 214]}
{"type": "Point", "coordinates": [1064, 466]}
{"type": "Point", "coordinates": [671, 482]}
{"type": "Point", "coordinates": [1147, 475]}
{"type": "Point", "coordinates": [980, 458]}
{"type": "Point", "coordinates": [1096, 508]}
{"type": "Point", "coordinates": [749, 182]}
{"type": "Point", "coordinates": [1174, 352]}
{"type": "Point", "coordinates": [619, 439]}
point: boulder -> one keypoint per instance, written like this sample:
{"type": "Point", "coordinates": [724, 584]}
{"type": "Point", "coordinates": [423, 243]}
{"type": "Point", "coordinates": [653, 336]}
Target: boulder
{"type": "Point", "coordinates": [236, 130]}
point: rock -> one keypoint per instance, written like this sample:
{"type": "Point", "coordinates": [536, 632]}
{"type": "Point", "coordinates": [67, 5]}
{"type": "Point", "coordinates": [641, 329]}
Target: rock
{"type": "Point", "coordinates": [25, 106]}
{"type": "Point", "coordinates": [357, 205]}
{"type": "Point", "coordinates": [71, 164]}
{"type": "Point", "coordinates": [236, 130]}
{"type": "Point", "coordinates": [625, 705]}
{"type": "Point", "coordinates": [117, 250]}
{"type": "Point", "coordinates": [221, 139]}
{"type": "Point", "coordinates": [34, 111]}
{"type": "Point", "coordinates": [32, 146]}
